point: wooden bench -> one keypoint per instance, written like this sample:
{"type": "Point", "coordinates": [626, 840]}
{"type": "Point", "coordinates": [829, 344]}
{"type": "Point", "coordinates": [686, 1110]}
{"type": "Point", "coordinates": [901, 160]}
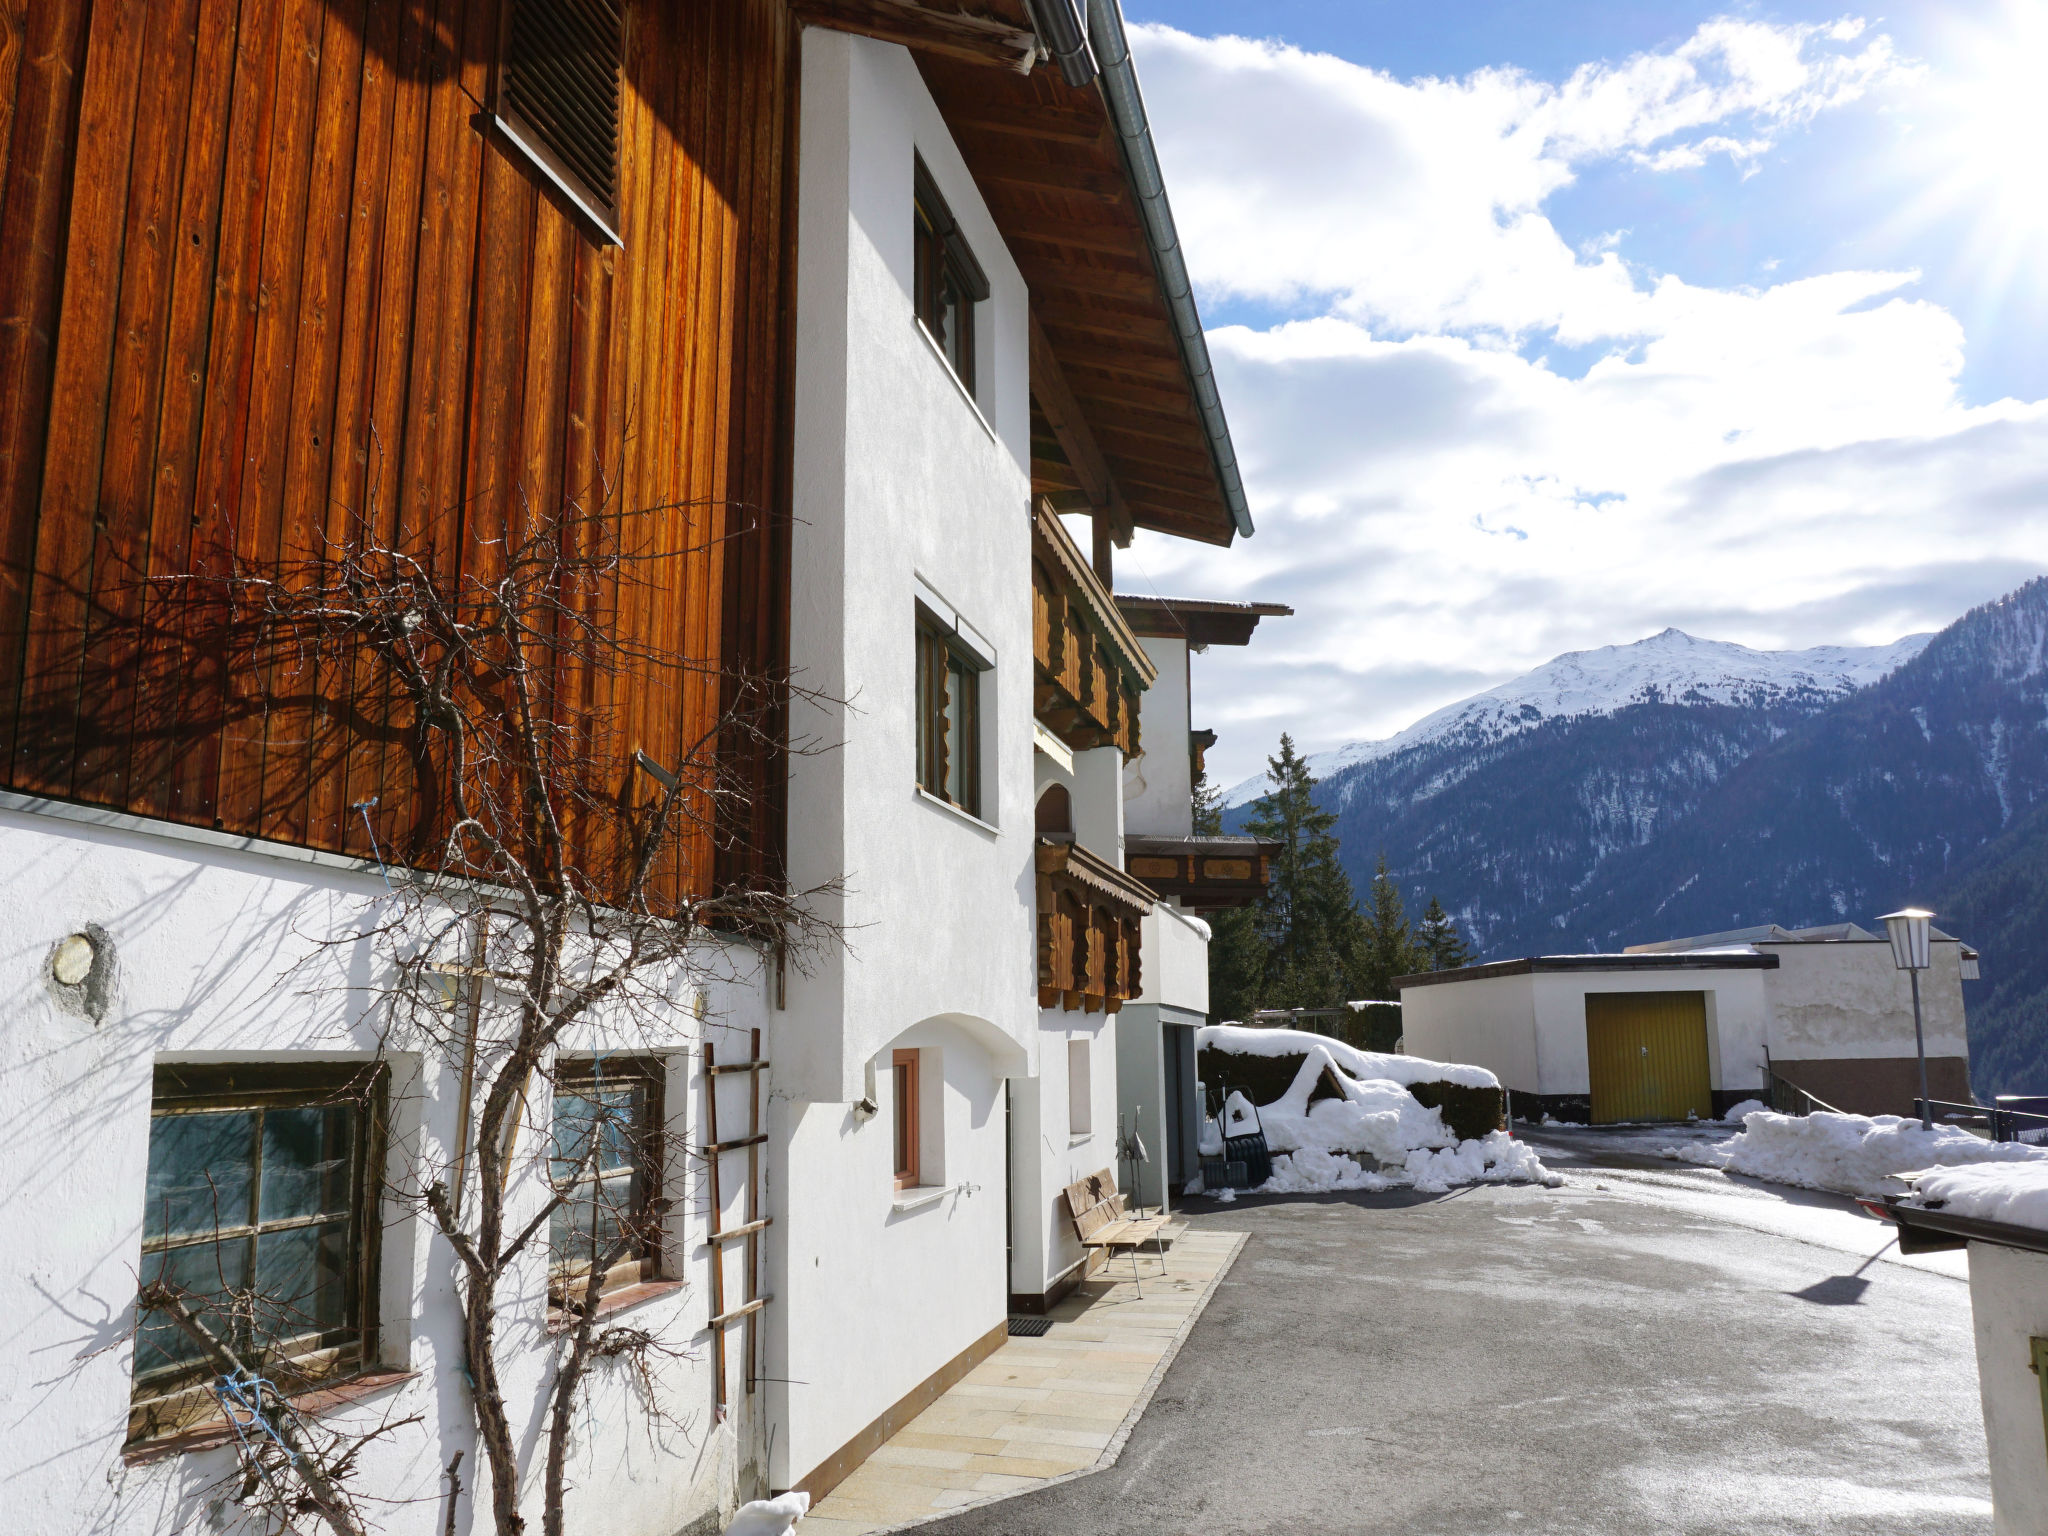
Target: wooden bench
{"type": "Point", "coordinates": [1099, 1220]}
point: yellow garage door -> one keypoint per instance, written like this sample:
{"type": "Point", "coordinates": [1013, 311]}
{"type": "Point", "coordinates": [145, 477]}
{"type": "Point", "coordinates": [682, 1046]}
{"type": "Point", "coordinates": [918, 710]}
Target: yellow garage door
{"type": "Point", "coordinates": [1648, 1054]}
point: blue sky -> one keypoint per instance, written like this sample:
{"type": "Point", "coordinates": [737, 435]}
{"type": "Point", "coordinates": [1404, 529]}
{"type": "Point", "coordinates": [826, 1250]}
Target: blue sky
{"type": "Point", "coordinates": [1543, 326]}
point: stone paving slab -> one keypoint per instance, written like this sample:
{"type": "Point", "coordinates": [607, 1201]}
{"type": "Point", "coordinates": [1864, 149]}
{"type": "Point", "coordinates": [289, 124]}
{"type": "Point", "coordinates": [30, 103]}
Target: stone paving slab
{"type": "Point", "coordinates": [1038, 1410]}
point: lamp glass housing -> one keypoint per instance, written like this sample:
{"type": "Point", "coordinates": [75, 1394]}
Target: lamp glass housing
{"type": "Point", "coordinates": [1908, 930]}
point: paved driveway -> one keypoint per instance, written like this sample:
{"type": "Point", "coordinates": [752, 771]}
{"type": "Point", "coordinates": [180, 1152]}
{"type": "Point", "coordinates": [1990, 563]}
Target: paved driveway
{"type": "Point", "coordinates": [1543, 1362]}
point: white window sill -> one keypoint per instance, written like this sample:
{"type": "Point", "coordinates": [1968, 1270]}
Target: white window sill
{"type": "Point", "coordinates": [953, 810]}
{"type": "Point", "coordinates": [918, 1196]}
{"type": "Point", "coordinates": [1077, 1138]}
{"type": "Point", "coordinates": [946, 363]}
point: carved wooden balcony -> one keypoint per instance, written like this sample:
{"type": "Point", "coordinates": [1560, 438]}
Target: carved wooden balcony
{"type": "Point", "coordinates": [1205, 873]}
{"type": "Point", "coordinates": [1089, 913]}
{"type": "Point", "coordinates": [1090, 667]}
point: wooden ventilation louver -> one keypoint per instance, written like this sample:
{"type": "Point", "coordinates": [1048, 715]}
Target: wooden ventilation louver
{"type": "Point", "coordinates": [560, 89]}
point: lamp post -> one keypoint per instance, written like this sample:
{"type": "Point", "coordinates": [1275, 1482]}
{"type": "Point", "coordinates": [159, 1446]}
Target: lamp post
{"type": "Point", "coordinates": [1908, 931]}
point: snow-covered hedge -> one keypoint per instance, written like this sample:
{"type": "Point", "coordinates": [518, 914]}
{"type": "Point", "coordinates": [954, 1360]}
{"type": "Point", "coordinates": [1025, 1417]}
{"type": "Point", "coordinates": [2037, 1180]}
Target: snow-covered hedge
{"type": "Point", "coordinates": [1848, 1154]}
{"type": "Point", "coordinates": [1325, 1105]}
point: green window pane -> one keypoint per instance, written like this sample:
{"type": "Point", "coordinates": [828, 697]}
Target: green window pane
{"type": "Point", "coordinates": [206, 1272]}
{"type": "Point", "coordinates": [200, 1173]}
{"type": "Point", "coordinates": [307, 1155]}
{"type": "Point", "coordinates": [302, 1281]}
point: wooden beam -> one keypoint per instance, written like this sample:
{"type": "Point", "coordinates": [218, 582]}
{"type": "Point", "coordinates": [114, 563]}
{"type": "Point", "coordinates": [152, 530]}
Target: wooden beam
{"type": "Point", "coordinates": [1062, 125]}
{"type": "Point", "coordinates": [1063, 414]}
{"type": "Point", "coordinates": [953, 34]}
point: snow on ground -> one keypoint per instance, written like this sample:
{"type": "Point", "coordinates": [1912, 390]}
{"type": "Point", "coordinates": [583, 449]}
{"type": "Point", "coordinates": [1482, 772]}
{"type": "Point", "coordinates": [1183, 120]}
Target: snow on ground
{"type": "Point", "coordinates": [1377, 1136]}
{"type": "Point", "coordinates": [1848, 1154]}
{"type": "Point", "coordinates": [2015, 1192]}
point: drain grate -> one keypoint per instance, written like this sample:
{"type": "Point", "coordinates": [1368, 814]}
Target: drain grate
{"type": "Point", "coordinates": [1029, 1327]}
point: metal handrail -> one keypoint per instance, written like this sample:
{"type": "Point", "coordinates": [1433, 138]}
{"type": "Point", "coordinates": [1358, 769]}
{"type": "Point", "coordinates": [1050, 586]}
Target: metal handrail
{"type": "Point", "coordinates": [1788, 1098]}
{"type": "Point", "coordinates": [2004, 1124]}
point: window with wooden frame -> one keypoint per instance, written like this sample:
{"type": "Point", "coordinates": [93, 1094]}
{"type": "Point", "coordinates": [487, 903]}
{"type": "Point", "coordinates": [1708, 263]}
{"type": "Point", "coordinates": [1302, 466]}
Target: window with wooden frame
{"type": "Point", "coordinates": [904, 1086]}
{"type": "Point", "coordinates": [948, 716]}
{"type": "Point", "coordinates": [946, 281]}
{"type": "Point", "coordinates": [605, 1163]}
{"type": "Point", "coordinates": [260, 1209]}
{"type": "Point", "coordinates": [558, 93]}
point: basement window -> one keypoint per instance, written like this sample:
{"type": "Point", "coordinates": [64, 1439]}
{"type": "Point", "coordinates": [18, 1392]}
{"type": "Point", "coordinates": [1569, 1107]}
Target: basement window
{"type": "Point", "coordinates": [558, 95]}
{"type": "Point", "coordinates": [260, 1211]}
{"type": "Point", "coordinates": [947, 282]}
{"type": "Point", "coordinates": [606, 1164]}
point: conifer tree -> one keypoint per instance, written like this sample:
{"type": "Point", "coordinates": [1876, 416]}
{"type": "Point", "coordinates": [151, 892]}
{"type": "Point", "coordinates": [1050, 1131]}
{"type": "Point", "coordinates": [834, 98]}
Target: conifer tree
{"type": "Point", "coordinates": [1439, 937]}
{"type": "Point", "coordinates": [1237, 948]}
{"type": "Point", "coordinates": [1386, 947]}
{"type": "Point", "coordinates": [1307, 919]}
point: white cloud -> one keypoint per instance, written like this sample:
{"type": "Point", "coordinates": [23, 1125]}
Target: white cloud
{"type": "Point", "coordinates": [1786, 465]}
{"type": "Point", "coordinates": [1415, 204]}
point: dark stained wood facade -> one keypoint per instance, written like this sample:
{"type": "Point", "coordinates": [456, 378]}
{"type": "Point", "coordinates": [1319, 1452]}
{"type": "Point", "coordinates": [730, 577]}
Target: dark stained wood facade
{"type": "Point", "coordinates": [264, 269]}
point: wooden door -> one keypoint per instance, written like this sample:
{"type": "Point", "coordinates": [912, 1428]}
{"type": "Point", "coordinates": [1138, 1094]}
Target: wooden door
{"type": "Point", "coordinates": [1647, 1055]}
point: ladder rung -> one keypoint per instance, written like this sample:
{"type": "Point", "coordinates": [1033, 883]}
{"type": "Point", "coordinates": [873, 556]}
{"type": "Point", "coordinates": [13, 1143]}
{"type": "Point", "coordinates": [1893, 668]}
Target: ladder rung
{"type": "Point", "coordinates": [737, 1066]}
{"type": "Point", "coordinates": [727, 1146]}
{"type": "Point", "coordinates": [729, 1233]}
{"type": "Point", "coordinates": [739, 1312]}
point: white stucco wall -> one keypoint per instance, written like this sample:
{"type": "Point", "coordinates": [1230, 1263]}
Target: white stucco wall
{"type": "Point", "coordinates": [2009, 1307]}
{"type": "Point", "coordinates": [1047, 1156]}
{"type": "Point", "coordinates": [1835, 1001]}
{"type": "Point", "coordinates": [1159, 782]}
{"type": "Point", "coordinates": [219, 959]}
{"type": "Point", "coordinates": [1489, 1022]}
{"type": "Point", "coordinates": [1530, 1030]}
{"type": "Point", "coordinates": [1176, 960]}
{"type": "Point", "coordinates": [905, 491]}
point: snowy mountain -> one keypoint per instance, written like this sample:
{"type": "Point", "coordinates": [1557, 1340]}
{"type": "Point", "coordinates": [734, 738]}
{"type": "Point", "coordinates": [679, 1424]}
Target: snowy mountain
{"type": "Point", "coordinates": [1671, 668]}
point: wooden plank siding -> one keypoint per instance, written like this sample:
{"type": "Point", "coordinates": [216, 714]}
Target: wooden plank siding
{"type": "Point", "coordinates": [267, 277]}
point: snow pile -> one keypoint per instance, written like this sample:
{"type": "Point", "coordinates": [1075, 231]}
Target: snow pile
{"type": "Point", "coordinates": [1495, 1159]}
{"type": "Point", "coordinates": [1314, 1172]}
{"type": "Point", "coordinates": [769, 1517]}
{"type": "Point", "coordinates": [1745, 1109]}
{"type": "Point", "coordinates": [2014, 1192]}
{"type": "Point", "coordinates": [1849, 1154]}
{"type": "Point", "coordinates": [1371, 1065]}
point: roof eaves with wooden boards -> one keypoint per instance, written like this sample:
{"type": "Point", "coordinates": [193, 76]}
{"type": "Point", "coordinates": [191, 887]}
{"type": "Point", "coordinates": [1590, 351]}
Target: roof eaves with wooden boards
{"type": "Point", "coordinates": [1125, 419]}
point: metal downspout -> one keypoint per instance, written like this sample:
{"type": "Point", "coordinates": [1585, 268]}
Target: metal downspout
{"type": "Point", "coordinates": [1127, 112]}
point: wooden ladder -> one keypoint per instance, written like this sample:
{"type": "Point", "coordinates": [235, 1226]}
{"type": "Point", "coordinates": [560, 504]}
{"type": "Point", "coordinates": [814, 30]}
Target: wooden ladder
{"type": "Point", "coordinates": [752, 1222]}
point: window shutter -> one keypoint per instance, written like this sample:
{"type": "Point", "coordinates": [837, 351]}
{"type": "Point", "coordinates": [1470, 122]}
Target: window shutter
{"type": "Point", "coordinates": [560, 83]}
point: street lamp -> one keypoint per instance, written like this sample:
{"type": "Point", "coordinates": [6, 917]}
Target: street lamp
{"type": "Point", "coordinates": [1911, 946]}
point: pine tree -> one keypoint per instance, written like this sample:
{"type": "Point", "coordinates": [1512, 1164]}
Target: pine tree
{"type": "Point", "coordinates": [1439, 937]}
{"type": "Point", "coordinates": [1307, 919]}
{"type": "Point", "coordinates": [1237, 947]}
{"type": "Point", "coordinates": [1386, 947]}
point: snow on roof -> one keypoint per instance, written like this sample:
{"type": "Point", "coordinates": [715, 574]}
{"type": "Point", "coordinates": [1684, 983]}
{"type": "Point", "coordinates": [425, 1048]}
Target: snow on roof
{"type": "Point", "coordinates": [2014, 1193]}
{"type": "Point", "coordinates": [1368, 1066]}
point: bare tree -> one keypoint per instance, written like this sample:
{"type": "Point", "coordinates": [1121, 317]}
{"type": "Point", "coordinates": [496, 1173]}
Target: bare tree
{"type": "Point", "coordinates": [550, 882]}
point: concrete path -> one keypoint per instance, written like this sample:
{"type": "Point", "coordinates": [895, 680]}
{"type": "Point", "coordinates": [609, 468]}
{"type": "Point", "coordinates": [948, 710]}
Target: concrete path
{"type": "Point", "coordinates": [1546, 1362]}
{"type": "Point", "coordinates": [1038, 1409]}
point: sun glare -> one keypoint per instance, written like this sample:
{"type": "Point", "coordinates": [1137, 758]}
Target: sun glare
{"type": "Point", "coordinates": [1978, 140]}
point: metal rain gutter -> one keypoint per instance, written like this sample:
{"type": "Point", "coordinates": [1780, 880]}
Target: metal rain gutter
{"type": "Point", "coordinates": [1127, 112]}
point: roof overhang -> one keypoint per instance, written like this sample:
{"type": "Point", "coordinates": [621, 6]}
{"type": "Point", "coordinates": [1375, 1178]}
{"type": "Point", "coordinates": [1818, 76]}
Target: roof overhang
{"type": "Point", "coordinates": [1930, 1231]}
{"type": "Point", "coordinates": [1198, 621]}
{"type": "Point", "coordinates": [1543, 965]}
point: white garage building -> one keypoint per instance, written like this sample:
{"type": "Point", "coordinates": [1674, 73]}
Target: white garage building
{"type": "Point", "coordinates": [1692, 1026]}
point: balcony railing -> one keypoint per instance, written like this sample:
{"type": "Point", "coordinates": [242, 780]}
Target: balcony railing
{"type": "Point", "coordinates": [1090, 668]}
{"type": "Point", "coordinates": [1089, 933]}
